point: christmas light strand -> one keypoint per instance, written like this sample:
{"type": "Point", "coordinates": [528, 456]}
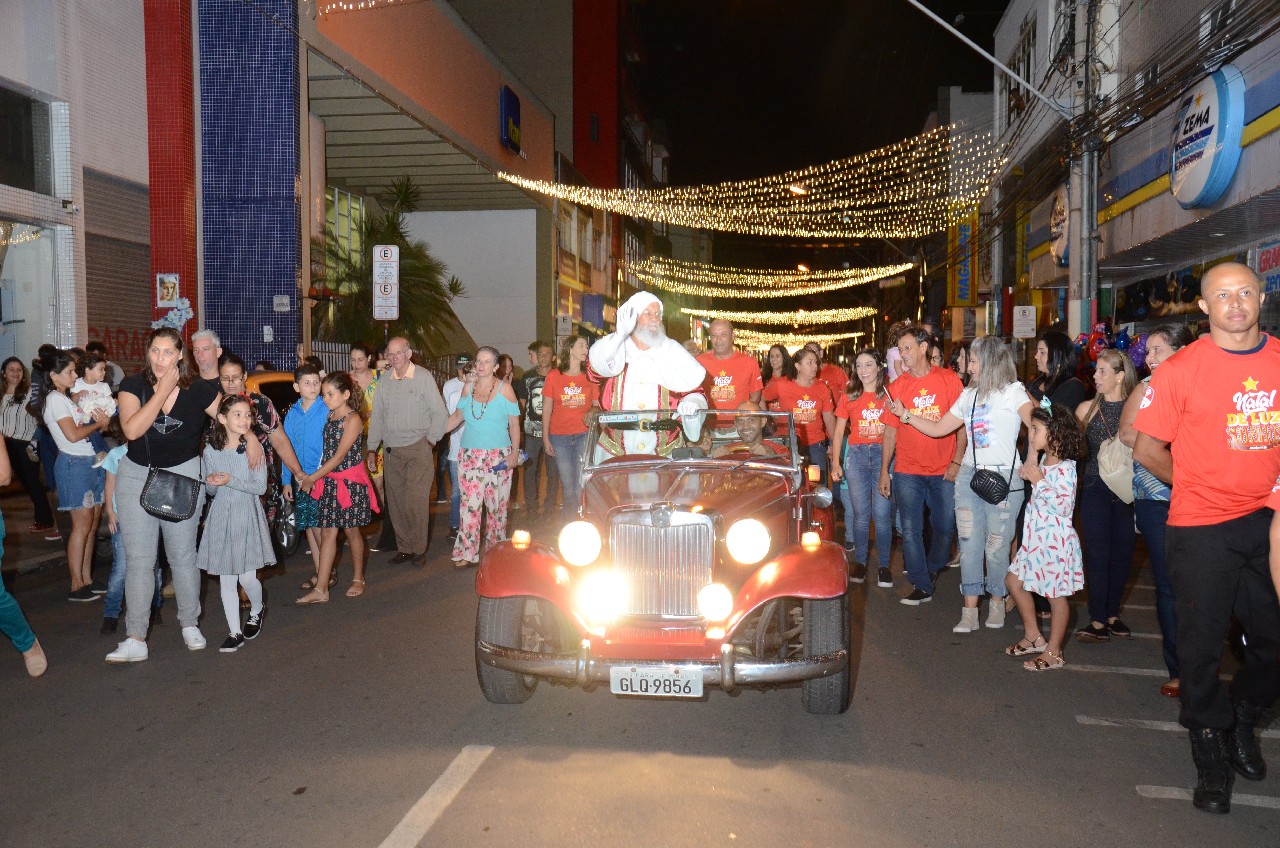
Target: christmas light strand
{"type": "Point", "coordinates": [763, 341]}
{"type": "Point", "coordinates": [16, 237]}
{"type": "Point", "coordinates": [800, 316]}
{"type": "Point", "coordinates": [906, 190]}
{"type": "Point", "coordinates": [703, 280]}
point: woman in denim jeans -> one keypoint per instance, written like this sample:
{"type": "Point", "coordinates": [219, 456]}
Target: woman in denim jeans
{"type": "Point", "coordinates": [567, 397]}
{"type": "Point", "coordinates": [860, 410]}
{"type": "Point", "coordinates": [992, 410]}
{"type": "Point", "coordinates": [1151, 500]}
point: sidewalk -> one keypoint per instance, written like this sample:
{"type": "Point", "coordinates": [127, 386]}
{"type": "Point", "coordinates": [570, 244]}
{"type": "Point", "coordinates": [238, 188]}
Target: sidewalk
{"type": "Point", "coordinates": [25, 552]}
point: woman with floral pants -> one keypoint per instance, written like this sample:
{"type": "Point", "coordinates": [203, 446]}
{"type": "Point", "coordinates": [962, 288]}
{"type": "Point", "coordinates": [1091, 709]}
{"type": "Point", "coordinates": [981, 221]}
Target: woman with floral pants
{"type": "Point", "coordinates": [490, 439]}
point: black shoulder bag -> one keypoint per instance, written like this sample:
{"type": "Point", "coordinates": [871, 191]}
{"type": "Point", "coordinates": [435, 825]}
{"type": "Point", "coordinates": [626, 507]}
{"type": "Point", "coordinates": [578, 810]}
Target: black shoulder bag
{"type": "Point", "coordinates": [168, 495]}
{"type": "Point", "coordinates": [987, 484]}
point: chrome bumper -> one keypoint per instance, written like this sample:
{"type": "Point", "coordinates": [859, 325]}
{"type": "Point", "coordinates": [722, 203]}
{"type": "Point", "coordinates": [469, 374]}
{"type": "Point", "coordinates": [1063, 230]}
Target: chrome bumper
{"type": "Point", "coordinates": [729, 672]}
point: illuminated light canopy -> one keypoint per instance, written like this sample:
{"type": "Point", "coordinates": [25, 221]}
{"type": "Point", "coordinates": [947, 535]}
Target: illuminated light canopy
{"type": "Point", "coordinates": [357, 5]}
{"type": "Point", "coordinates": [753, 340]}
{"type": "Point", "coordinates": [906, 190]}
{"type": "Point", "coordinates": [696, 278]}
{"type": "Point", "coordinates": [802, 316]}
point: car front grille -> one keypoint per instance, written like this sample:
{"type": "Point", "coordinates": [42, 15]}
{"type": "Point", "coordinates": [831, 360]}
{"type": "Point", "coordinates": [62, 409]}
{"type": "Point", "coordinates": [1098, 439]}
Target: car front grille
{"type": "Point", "coordinates": [665, 567]}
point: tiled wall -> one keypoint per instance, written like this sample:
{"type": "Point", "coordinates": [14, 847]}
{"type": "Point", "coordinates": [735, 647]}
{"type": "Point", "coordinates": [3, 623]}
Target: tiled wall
{"type": "Point", "coordinates": [249, 174]}
{"type": "Point", "coordinates": [171, 141]}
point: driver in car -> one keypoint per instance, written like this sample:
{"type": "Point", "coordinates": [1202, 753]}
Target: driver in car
{"type": "Point", "coordinates": [642, 369]}
{"type": "Point", "coordinates": [752, 430]}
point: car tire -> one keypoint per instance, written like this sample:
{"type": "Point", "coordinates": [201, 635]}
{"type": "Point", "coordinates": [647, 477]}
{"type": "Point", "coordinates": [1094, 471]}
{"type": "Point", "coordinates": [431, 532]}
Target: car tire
{"type": "Point", "coordinates": [826, 629]}
{"type": "Point", "coordinates": [500, 621]}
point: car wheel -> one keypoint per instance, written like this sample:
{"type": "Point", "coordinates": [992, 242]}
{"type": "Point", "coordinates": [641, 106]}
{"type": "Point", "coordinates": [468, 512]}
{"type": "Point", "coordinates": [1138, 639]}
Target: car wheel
{"type": "Point", "coordinates": [531, 624]}
{"type": "Point", "coordinates": [826, 629]}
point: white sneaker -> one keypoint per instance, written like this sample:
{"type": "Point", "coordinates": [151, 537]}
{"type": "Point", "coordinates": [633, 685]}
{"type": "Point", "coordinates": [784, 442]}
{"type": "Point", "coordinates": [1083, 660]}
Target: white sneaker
{"type": "Point", "coordinates": [130, 650]}
{"type": "Point", "coordinates": [193, 638]}
{"type": "Point", "coordinates": [968, 621]}
{"type": "Point", "coordinates": [995, 613]}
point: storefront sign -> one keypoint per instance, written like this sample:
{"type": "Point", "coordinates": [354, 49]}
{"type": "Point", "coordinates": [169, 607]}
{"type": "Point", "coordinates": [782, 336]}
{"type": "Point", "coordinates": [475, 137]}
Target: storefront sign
{"type": "Point", "coordinates": [509, 118]}
{"type": "Point", "coordinates": [1206, 139]}
{"type": "Point", "coordinates": [1060, 228]}
{"type": "Point", "coordinates": [386, 282]}
{"type": "Point", "coordinates": [1269, 265]}
{"type": "Point", "coordinates": [962, 268]}
{"type": "Point", "coordinates": [1024, 322]}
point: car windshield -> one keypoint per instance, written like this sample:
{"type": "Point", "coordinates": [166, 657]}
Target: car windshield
{"type": "Point", "coordinates": [637, 435]}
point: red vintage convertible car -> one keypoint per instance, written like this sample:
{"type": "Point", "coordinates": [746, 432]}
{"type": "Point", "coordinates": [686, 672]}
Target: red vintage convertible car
{"type": "Point", "coordinates": [710, 566]}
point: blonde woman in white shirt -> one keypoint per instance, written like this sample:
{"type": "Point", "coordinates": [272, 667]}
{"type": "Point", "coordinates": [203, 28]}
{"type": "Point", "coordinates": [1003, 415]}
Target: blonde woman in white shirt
{"type": "Point", "coordinates": [992, 410]}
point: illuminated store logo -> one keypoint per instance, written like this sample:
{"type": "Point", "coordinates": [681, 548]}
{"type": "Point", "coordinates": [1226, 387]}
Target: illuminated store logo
{"type": "Point", "coordinates": [1206, 139]}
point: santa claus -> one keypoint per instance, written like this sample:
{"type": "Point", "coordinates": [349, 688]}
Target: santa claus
{"type": "Point", "coordinates": [642, 369]}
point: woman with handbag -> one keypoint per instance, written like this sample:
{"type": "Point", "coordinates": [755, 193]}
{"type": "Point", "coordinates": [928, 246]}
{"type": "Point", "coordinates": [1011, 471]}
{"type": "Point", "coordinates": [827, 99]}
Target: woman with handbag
{"type": "Point", "coordinates": [1106, 519]}
{"type": "Point", "coordinates": [1151, 500]}
{"type": "Point", "coordinates": [988, 492]}
{"type": "Point", "coordinates": [80, 485]}
{"type": "Point", "coordinates": [163, 413]}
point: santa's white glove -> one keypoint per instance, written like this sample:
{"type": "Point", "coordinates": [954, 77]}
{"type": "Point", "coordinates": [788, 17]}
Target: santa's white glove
{"type": "Point", "coordinates": [627, 317]}
{"type": "Point", "coordinates": [689, 410]}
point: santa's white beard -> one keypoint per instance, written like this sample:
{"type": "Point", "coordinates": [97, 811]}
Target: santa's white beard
{"type": "Point", "coordinates": [650, 337]}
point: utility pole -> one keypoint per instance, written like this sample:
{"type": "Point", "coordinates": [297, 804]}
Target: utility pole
{"type": "Point", "coordinates": [1082, 277]}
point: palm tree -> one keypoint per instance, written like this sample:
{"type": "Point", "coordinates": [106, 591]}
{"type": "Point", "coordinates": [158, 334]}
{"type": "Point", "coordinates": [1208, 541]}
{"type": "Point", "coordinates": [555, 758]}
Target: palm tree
{"type": "Point", "coordinates": [344, 279]}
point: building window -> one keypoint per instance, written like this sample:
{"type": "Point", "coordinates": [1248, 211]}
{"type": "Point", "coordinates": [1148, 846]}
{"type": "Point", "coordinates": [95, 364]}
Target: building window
{"type": "Point", "coordinates": [344, 214]}
{"type": "Point", "coordinates": [1063, 41]}
{"type": "Point", "coordinates": [1215, 20]}
{"type": "Point", "coordinates": [26, 160]}
{"type": "Point", "coordinates": [1023, 63]}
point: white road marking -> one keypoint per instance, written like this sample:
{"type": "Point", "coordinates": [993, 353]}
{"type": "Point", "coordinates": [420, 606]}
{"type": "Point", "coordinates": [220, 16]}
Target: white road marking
{"type": "Point", "coordinates": [436, 799]}
{"type": "Point", "coordinates": [1177, 793]}
{"type": "Point", "coordinates": [1146, 724]}
{"type": "Point", "coordinates": [1125, 608]}
{"type": "Point", "coordinates": [1116, 669]}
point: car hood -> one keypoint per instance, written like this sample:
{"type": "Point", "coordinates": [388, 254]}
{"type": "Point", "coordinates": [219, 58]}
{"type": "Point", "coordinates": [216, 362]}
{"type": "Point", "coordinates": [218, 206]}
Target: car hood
{"type": "Point", "coordinates": [724, 490]}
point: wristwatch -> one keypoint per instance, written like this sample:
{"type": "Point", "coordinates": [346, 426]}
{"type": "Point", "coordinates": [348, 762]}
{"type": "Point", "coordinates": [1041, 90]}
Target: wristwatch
{"type": "Point", "coordinates": [906, 415]}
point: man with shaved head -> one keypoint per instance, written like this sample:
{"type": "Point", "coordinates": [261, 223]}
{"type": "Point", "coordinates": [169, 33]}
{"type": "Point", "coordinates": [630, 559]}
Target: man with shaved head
{"type": "Point", "coordinates": [407, 419]}
{"type": "Point", "coordinates": [751, 432]}
{"type": "Point", "coordinates": [1209, 426]}
{"type": "Point", "coordinates": [732, 376]}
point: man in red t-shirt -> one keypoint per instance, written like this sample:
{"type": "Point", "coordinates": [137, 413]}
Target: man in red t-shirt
{"type": "Point", "coordinates": [830, 373]}
{"type": "Point", "coordinates": [925, 472]}
{"type": "Point", "coordinates": [1209, 426]}
{"type": "Point", "coordinates": [733, 377]}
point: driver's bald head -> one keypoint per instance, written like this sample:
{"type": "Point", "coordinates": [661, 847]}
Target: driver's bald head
{"type": "Point", "coordinates": [749, 406]}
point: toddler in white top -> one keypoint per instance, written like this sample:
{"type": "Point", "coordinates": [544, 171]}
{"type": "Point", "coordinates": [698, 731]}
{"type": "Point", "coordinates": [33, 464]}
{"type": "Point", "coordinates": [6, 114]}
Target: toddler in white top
{"type": "Point", "coordinates": [90, 394]}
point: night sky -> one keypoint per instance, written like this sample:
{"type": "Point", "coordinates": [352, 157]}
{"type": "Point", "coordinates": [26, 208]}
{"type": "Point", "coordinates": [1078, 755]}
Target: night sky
{"type": "Point", "coordinates": [749, 88]}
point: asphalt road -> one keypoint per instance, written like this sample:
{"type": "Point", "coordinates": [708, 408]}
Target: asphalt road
{"type": "Point", "coordinates": [359, 723]}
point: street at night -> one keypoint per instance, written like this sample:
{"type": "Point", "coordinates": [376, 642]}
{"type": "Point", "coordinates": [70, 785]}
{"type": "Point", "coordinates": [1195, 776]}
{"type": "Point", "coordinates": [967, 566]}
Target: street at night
{"type": "Point", "coordinates": [360, 723]}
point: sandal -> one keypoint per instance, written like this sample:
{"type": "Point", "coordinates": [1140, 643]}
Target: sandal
{"type": "Point", "coordinates": [1022, 648]}
{"type": "Point", "coordinates": [1009, 604]}
{"type": "Point", "coordinates": [311, 581]}
{"type": "Point", "coordinates": [356, 590]}
{"type": "Point", "coordinates": [1055, 661]}
{"type": "Point", "coordinates": [315, 596]}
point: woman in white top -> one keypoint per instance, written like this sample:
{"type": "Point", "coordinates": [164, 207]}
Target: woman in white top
{"type": "Point", "coordinates": [80, 485]}
{"type": "Point", "coordinates": [19, 428]}
{"type": "Point", "coordinates": [992, 410]}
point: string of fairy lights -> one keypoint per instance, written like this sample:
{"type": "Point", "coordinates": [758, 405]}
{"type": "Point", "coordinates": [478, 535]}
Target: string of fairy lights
{"type": "Point", "coordinates": [16, 236]}
{"type": "Point", "coordinates": [753, 340]}
{"type": "Point", "coordinates": [905, 190]}
{"type": "Point", "coordinates": [705, 280]}
{"type": "Point", "coordinates": [799, 316]}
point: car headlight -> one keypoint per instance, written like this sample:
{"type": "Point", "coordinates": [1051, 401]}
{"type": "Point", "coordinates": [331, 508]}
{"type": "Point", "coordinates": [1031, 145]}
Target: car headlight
{"type": "Point", "coordinates": [715, 602]}
{"type": "Point", "coordinates": [580, 543]}
{"type": "Point", "coordinates": [601, 596]}
{"type": "Point", "coordinates": [747, 541]}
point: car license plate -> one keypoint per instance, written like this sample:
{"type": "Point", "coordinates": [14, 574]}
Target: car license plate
{"type": "Point", "coordinates": [669, 682]}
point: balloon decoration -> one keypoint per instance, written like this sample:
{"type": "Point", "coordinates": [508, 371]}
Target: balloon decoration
{"type": "Point", "coordinates": [1122, 341]}
{"type": "Point", "coordinates": [1097, 342]}
{"type": "Point", "coordinates": [1081, 341]}
{"type": "Point", "coordinates": [1138, 351]}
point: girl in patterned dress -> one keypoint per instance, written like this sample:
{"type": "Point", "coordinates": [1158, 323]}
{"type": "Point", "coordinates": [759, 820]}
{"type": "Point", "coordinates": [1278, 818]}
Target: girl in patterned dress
{"type": "Point", "coordinates": [341, 486]}
{"type": "Point", "coordinates": [1049, 563]}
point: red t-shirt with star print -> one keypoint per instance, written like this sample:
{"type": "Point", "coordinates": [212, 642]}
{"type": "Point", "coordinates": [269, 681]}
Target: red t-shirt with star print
{"type": "Point", "coordinates": [806, 405]}
{"type": "Point", "coordinates": [730, 381]}
{"type": "Point", "coordinates": [1217, 410]}
{"type": "Point", "coordinates": [930, 396]}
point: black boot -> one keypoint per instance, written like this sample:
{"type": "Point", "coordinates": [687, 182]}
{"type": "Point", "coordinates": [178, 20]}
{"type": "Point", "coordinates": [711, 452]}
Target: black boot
{"type": "Point", "coordinates": [1246, 756]}
{"type": "Point", "coordinates": [1213, 770]}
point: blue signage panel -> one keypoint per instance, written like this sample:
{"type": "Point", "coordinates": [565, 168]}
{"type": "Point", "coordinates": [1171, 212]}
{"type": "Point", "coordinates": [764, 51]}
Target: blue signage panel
{"type": "Point", "coordinates": [1206, 140]}
{"type": "Point", "coordinates": [509, 117]}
